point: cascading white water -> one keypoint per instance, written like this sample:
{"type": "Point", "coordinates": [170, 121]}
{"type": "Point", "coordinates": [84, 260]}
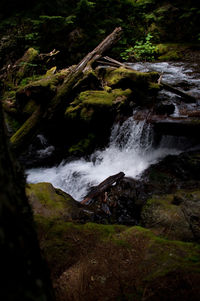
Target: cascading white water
{"type": "Point", "coordinates": [130, 150]}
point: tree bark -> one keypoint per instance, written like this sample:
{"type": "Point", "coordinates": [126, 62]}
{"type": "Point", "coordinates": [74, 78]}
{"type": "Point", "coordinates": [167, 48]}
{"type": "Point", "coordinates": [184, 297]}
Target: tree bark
{"type": "Point", "coordinates": [24, 275]}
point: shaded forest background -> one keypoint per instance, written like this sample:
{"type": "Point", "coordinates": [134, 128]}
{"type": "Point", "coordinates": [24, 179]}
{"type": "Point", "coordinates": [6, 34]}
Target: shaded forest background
{"type": "Point", "coordinates": [75, 27]}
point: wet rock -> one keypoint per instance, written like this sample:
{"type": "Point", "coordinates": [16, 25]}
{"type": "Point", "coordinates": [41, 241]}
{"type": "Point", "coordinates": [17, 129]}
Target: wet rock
{"type": "Point", "coordinates": [164, 107]}
{"type": "Point", "coordinates": [189, 126]}
{"type": "Point", "coordinates": [124, 202]}
{"type": "Point", "coordinates": [173, 172]}
{"type": "Point", "coordinates": [120, 203]}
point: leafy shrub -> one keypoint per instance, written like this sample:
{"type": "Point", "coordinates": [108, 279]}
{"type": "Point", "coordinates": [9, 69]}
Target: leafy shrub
{"type": "Point", "coordinates": [141, 51]}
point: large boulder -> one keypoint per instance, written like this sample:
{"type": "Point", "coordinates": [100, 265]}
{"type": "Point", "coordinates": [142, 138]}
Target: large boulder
{"type": "Point", "coordinates": [143, 84]}
{"type": "Point", "coordinates": [53, 203]}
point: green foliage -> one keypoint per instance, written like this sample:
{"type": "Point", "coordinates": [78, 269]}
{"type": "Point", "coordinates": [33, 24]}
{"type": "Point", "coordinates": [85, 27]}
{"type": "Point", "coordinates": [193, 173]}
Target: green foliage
{"type": "Point", "coordinates": [141, 51]}
{"type": "Point", "coordinates": [76, 27]}
{"type": "Point", "coordinates": [84, 5]}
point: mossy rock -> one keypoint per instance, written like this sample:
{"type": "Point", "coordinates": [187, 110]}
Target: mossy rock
{"type": "Point", "coordinates": [53, 203]}
{"type": "Point", "coordinates": [126, 78]}
{"type": "Point", "coordinates": [171, 55]}
{"type": "Point", "coordinates": [88, 103]}
{"type": "Point", "coordinates": [40, 90]}
{"type": "Point", "coordinates": [171, 52]}
{"type": "Point", "coordinates": [133, 255]}
{"type": "Point", "coordinates": [175, 216]}
{"type": "Point", "coordinates": [84, 146]}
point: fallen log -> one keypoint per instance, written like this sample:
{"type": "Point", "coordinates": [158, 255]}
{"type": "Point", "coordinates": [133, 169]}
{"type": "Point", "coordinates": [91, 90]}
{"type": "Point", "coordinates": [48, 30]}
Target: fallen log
{"type": "Point", "coordinates": [58, 102]}
{"type": "Point", "coordinates": [110, 61]}
{"type": "Point", "coordinates": [102, 187]}
{"type": "Point", "coordinates": [24, 136]}
{"type": "Point", "coordinates": [78, 71]}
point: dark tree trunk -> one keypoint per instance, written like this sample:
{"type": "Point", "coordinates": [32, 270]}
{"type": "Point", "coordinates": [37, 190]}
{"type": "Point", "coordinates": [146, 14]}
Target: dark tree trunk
{"type": "Point", "coordinates": [24, 274]}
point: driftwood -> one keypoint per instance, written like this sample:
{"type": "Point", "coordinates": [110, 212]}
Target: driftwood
{"type": "Point", "coordinates": [102, 187]}
{"type": "Point", "coordinates": [59, 100]}
{"type": "Point", "coordinates": [114, 63]}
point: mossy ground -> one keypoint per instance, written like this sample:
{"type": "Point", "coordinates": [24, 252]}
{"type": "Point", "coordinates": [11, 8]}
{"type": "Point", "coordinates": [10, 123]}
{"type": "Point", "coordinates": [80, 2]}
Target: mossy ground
{"type": "Point", "coordinates": [101, 262]}
{"type": "Point", "coordinates": [167, 215]}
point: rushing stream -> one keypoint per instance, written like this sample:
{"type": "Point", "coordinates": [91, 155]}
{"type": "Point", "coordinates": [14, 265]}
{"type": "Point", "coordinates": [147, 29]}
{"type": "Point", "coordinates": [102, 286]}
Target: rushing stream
{"type": "Point", "coordinates": [130, 148]}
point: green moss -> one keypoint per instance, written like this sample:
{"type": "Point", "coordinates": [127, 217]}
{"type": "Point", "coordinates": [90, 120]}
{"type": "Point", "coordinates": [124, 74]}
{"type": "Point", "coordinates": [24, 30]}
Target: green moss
{"type": "Point", "coordinates": [27, 80]}
{"type": "Point", "coordinates": [114, 77]}
{"type": "Point", "coordinates": [51, 202]}
{"type": "Point", "coordinates": [165, 200]}
{"type": "Point", "coordinates": [9, 95]}
{"type": "Point", "coordinates": [48, 196]}
{"type": "Point", "coordinates": [96, 98]}
{"type": "Point", "coordinates": [26, 63]}
{"type": "Point", "coordinates": [82, 146]}
{"type": "Point", "coordinates": [86, 114]}
{"type": "Point", "coordinates": [104, 231]}
{"type": "Point", "coordinates": [24, 133]}
{"type": "Point", "coordinates": [171, 55]}
{"type": "Point", "coordinates": [166, 255]}
{"type": "Point", "coordinates": [161, 49]}
{"type": "Point", "coordinates": [135, 253]}
{"type": "Point", "coordinates": [86, 104]}
{"type": "Point", "coordinates": [51, 71]}
{"type": "Point", "coordinates": [164, 214]}
{"type": "Point", "coordinates": [171, 51]}
{"type": "Point", "coordinates": [154, 87]}
{"type": "Point", "coordinates": [107, 89]}
{"type": "Point", "coordinates": [12, 123]}
{"type": "Point", "coordinates": [39, 82]}
{"type": "Point", "coordinates": [72, 111]}
{"type": "Point", "coordinates": [30, 107]}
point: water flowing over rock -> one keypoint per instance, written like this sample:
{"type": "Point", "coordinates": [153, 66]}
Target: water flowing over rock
{"type": "Point", "coordinates": [135, 144]}
{"type": "Point", "coordinates": [130, 150]}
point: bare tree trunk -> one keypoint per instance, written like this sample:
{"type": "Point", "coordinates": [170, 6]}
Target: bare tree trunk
{"type": "Point", "coordinates": [23, 273]}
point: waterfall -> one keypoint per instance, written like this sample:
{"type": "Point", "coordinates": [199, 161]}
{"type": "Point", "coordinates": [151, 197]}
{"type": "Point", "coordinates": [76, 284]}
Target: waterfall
{"type": "Point", "coordinates": [130, 150]}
